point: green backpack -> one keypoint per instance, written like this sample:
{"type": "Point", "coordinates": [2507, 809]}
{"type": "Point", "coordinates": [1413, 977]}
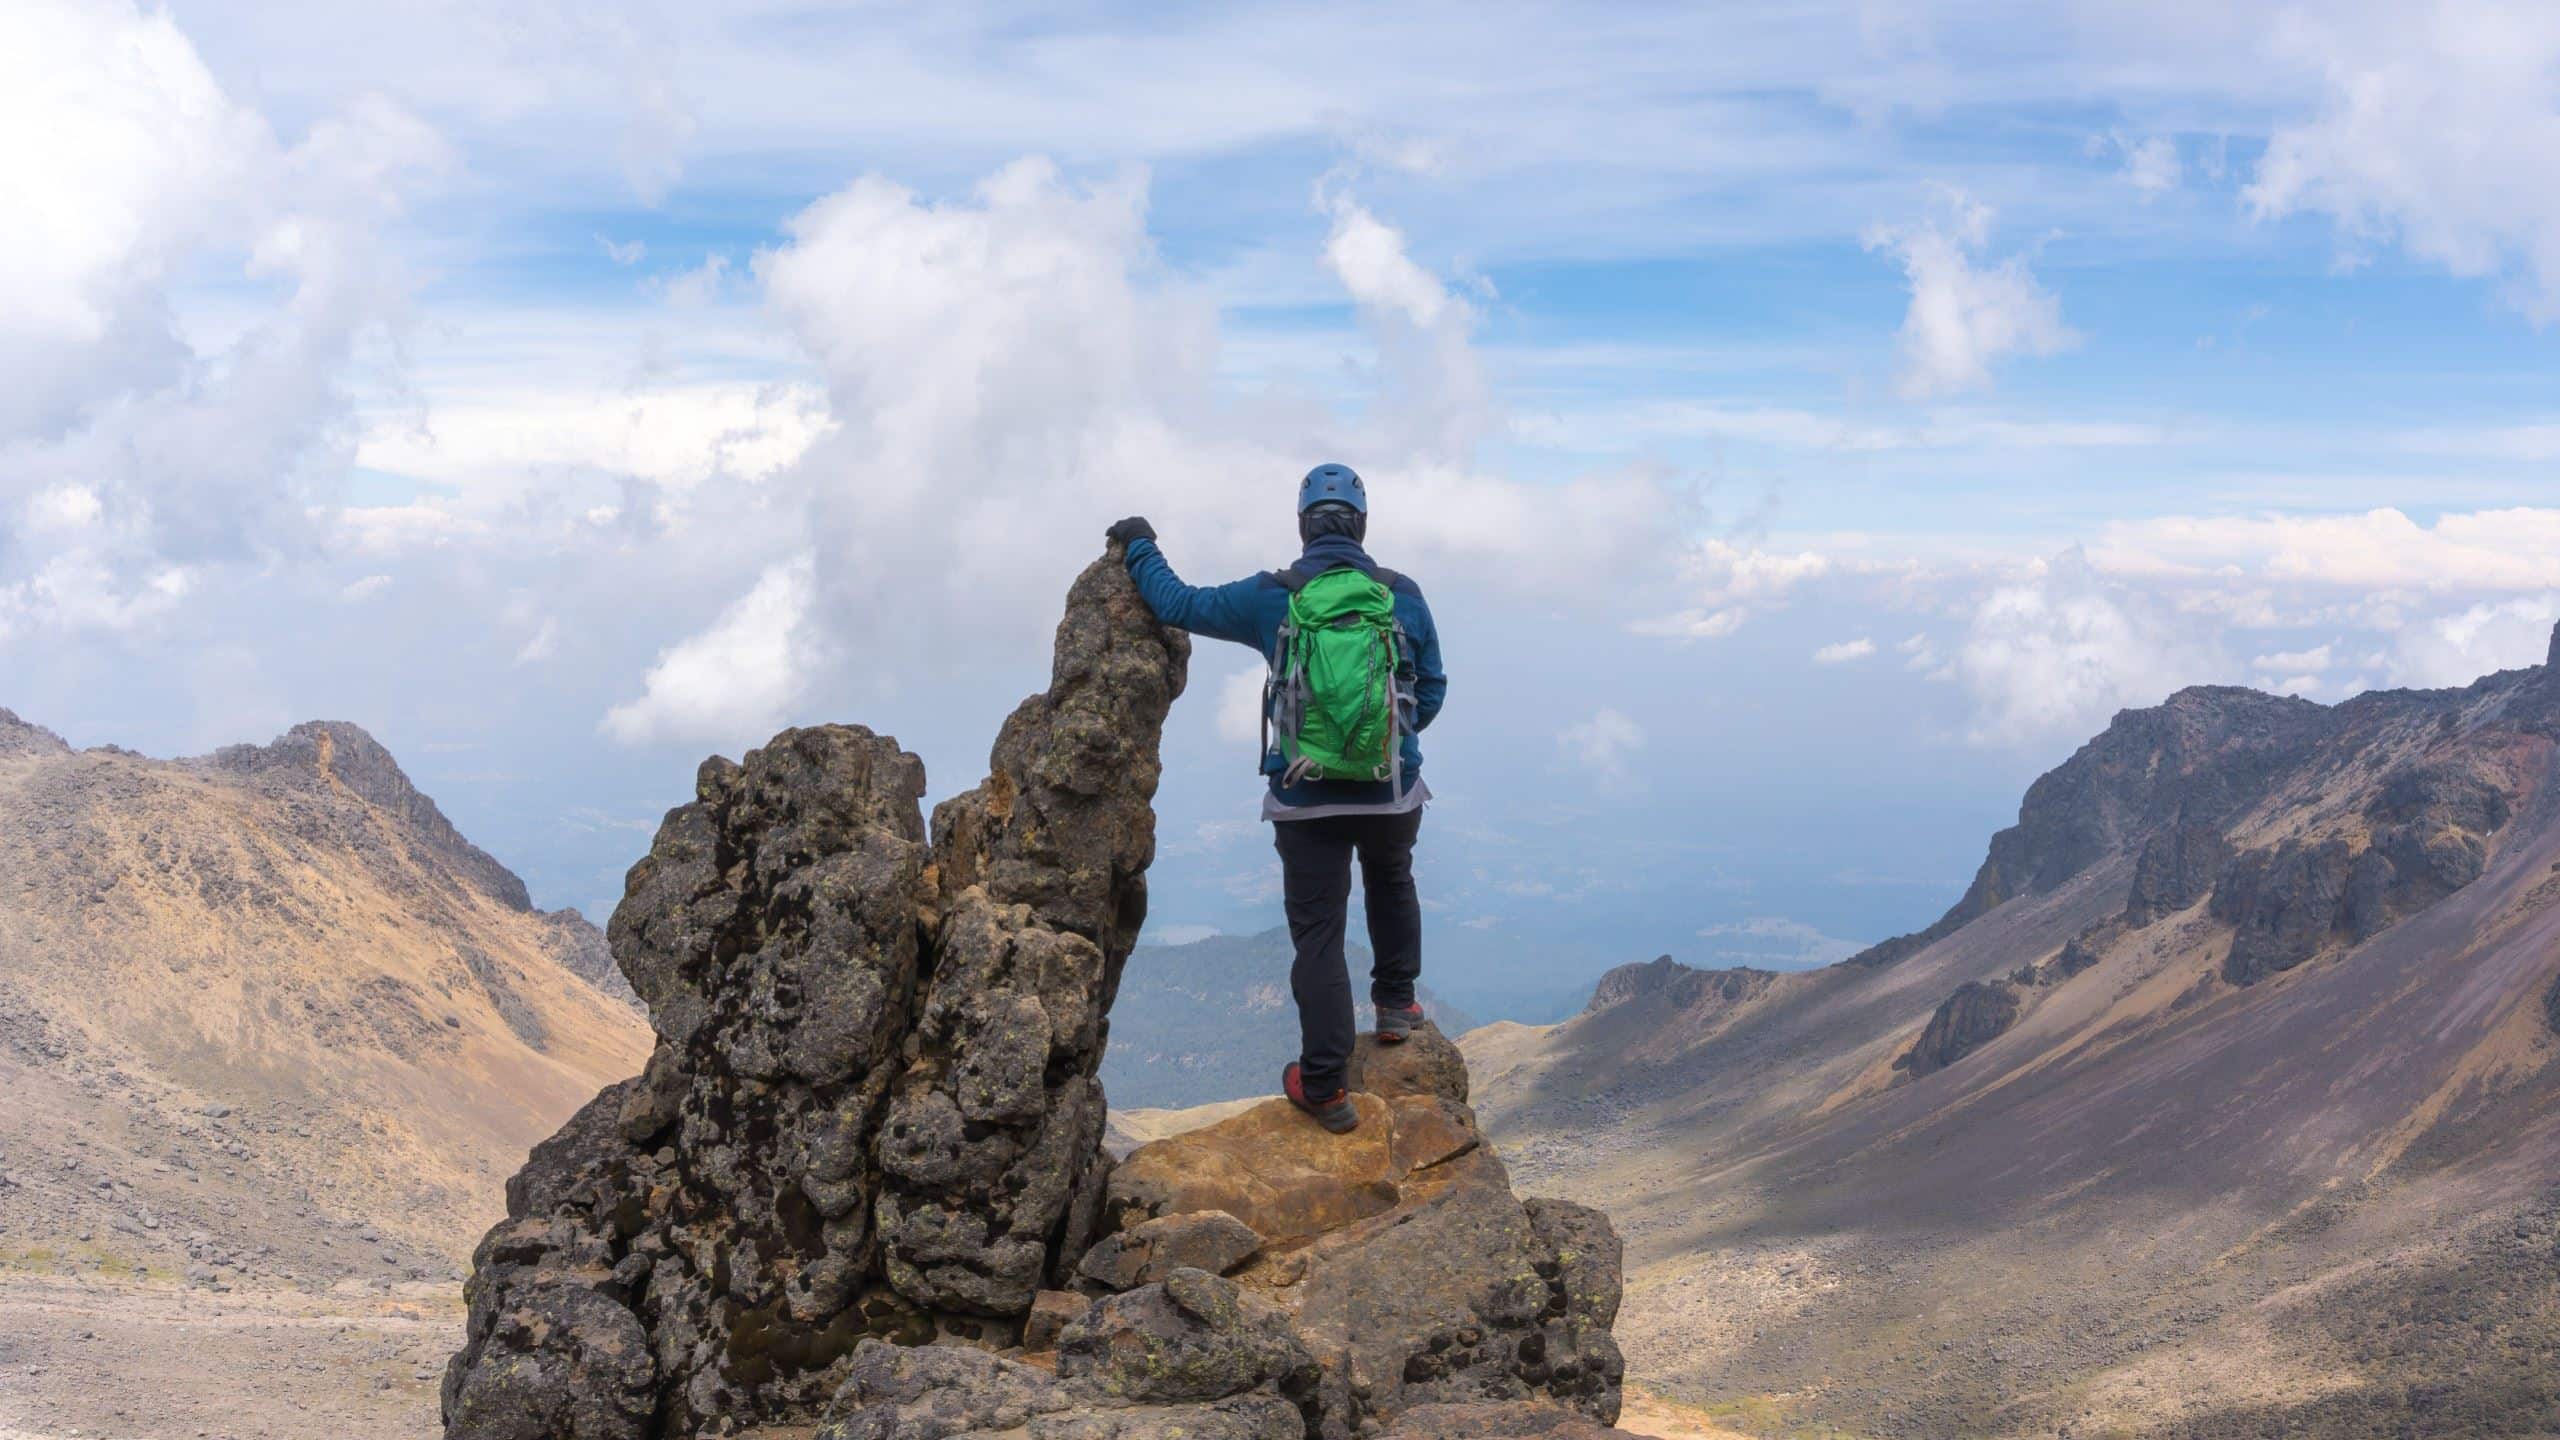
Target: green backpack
{"type": "Point", "coordinates": [1335, 697]}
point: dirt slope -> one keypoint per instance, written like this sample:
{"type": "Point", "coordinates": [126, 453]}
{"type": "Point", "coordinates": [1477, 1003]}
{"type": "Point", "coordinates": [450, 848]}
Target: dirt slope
{"type": "Point", "coordinates": [265, 1014]}
{"type": "Point", "coordinates": [2223, 1103]}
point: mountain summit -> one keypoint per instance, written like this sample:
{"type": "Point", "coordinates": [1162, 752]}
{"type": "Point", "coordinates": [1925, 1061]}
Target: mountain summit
{"type": "Point", "coordinates": [268, 1010]}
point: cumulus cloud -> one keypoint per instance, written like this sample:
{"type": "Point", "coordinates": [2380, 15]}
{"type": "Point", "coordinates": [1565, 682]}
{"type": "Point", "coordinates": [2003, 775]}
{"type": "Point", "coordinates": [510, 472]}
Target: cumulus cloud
{"type": "Point", "coordinates": [1369, 257]}
{"type": "Point", "coordinates": [153, 457]}
{"type": "Point", "coordinates": [1965, 317]}
{"type": "Point", "coordinates": [1240, 706]}
{"type": "Point", "coordinates": [734, 680]}
{"type": "Point", "coordinates": [2437, 128]}
{"type": "Point", "coordinates": [2059, 650]}
{"type": "Point", "coordinates": [1602, 744]}
{"type": "Point", "coordinates": [1727, 582]}
{"type": "Point", "coordinates": [2507, 549]}
{"type": "Point", "coordinates": [2458, 648]}
{"type": "Point", "coordinates": [2151, 166]}
{"type": "Point", "coordinates": [1845, 651]}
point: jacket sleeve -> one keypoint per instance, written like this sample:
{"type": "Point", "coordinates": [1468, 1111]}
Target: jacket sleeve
{"type": "Point", "coordinates": [1430, 682]}
{"type": "Point", "coordinates": [1221, 612]}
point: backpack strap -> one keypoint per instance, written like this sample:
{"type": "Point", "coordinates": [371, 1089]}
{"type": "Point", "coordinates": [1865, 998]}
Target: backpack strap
{"type": "Point", "coordinates": [1289, 579]}
{"type": "Point", "coordinates": [1385, 577]}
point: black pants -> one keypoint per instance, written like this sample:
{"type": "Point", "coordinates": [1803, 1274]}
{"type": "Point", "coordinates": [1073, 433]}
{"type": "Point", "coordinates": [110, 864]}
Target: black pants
{"type": "Point", "coordinates": [1315, 879]}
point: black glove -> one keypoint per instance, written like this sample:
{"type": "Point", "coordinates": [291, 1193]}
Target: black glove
{"type": "Point", "coordinates": [1133, 528]}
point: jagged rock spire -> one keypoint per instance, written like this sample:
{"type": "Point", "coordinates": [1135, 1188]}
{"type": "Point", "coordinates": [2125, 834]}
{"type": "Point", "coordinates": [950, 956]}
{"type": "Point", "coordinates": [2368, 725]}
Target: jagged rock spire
{"type": "Point", "coordinates": [872, 1110]}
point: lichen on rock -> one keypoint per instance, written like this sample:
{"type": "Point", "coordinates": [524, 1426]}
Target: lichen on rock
{"type": "Point", "coordinates": [872, 1110]}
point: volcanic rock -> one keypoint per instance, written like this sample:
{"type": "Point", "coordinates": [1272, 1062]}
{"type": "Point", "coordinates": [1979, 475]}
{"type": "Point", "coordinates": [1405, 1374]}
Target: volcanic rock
{"type": "Point", "coordinates": [1210, 1240]}
{"type": "Point", "coordinates": [23, 737]}
{"type": "Point", "coordinates": [1974, 1016]}
{"type": "Point", "coordinates": [864, 1163]}
{"type": "Point", "coordinates": [1405, 1261]}
{"type": "Point", "coordinates": [872, 1110]}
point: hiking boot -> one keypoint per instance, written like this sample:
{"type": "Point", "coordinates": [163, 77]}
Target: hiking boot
{"type": "Point", "coordinates": [1333, 1111]}
{"type": "Point", "coordinates": [1395, 1025]}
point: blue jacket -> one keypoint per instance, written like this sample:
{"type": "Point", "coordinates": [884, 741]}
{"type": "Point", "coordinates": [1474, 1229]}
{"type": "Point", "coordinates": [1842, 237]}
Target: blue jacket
{"type": "Point", "coordinates": [1249, 612]}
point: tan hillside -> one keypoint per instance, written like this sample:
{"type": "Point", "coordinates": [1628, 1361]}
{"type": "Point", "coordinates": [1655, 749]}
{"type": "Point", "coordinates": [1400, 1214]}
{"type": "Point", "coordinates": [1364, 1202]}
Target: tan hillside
{"type": "Point", "coordinates": [2225, 1103]}
{"type": "Point", "coordinates": [265, 1013]}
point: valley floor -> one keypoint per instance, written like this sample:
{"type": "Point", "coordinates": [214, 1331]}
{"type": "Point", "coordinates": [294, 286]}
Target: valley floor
{"type": "Point", "coordinates": [90, 1359]}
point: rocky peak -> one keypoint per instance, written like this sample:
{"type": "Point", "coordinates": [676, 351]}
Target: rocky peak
{"type": "Point", "coordinates": [2552, 658]}
{"type": "Point", "coordinates": [22, 737]}
{"type": "Point", "coordinates": [1669, 986]}
{"type": "Point", "coordinates": [340, 755]}
{"type": "Point", "coordinates": [862, 1180]}
{"type": "Point", "coordinates": [2201, 757]}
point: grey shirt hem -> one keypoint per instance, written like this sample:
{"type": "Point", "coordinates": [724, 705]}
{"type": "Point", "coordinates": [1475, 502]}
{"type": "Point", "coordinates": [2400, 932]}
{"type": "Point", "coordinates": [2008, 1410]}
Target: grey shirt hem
{"type": "Point", "coordinates": [1413, 799]}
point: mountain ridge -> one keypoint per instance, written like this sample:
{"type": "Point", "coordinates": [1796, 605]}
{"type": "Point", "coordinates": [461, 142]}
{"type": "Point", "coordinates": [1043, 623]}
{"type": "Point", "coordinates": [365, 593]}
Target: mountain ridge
{"type": "Point", "coordinates": [2263, 980]}
{"type": "Point", "coordinates": [266, 1011]}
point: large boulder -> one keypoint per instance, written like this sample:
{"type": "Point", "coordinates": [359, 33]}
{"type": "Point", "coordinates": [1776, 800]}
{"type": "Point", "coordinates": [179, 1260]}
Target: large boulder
{"type": "Point", "coordinates": [872, 1110]}
{"type": "Point", "coordinates": [1976, 1014]}
{"type": "Point", "coordinates": [1399, 1252]}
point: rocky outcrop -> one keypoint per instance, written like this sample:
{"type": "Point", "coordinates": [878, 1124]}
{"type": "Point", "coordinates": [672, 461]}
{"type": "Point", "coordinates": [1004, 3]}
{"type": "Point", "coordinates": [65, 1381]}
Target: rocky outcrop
{"type": "Point", "coordinates": [2430, 830]}
{"type": "Point", "coordinates": [1974, 1016]}
{"type": "Point", "coordinates": [1399, 1253]}
{"type": "Point", "coordinates": [861, 1182]}
{"type": "Point", "coordinates": [872, 1110]}
{"type": "Point", "coordinates": [325, 753]}
{"type": "Point", "coordinates": [2198, 760]}
{"type": "Point", "coordinates": [1666, 983]}
{"type": "Point", "coordinates": [582, 950]}
{"type": "Point", "coordinates": [24, 737]}
{"type": "Point", "coordinates": [2176, 868]}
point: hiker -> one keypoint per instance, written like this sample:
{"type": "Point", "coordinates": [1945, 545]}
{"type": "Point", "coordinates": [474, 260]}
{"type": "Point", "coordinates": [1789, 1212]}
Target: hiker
{"type": "Point", "coordinates": [1354, 675]}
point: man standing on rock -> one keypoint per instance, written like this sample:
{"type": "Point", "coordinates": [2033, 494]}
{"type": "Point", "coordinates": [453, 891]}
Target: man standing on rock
{"type": "Point", "coordinates": [1355, 675]}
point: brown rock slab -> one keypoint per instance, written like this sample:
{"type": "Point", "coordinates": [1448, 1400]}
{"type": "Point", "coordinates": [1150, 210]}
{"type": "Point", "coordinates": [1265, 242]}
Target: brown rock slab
{"type": "Point", "coordinates": [1425, 1064]}
{"type": "Point", "coordinates": [1210, 1240]}
{"type": "Point", "coordinates": [1052, 1311]}
{"type": "Point", "coordinates": [1271, 1167]}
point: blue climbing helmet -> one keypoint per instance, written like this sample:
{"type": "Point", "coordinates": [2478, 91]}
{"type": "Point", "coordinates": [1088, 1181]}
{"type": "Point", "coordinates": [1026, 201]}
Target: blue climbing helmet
{"type": "Point", "coordinates": [1332, 485]}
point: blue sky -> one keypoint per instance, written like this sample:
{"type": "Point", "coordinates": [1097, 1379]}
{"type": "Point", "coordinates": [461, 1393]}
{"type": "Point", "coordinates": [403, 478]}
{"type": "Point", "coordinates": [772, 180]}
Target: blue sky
{"type": "Point", "coordinates": [1810, 421]}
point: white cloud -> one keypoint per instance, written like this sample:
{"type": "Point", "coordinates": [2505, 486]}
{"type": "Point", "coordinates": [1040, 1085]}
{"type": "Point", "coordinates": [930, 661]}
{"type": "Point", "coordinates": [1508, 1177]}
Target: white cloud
{"type": "Point", "coordinates": [135, 173]}
{"type": "Point", "coordinates": [1240, 706]}
{"type": "Point", "coordinates": [1728, 582]}
{"type": "Point", "coordinates": [2456, 649]}
{"type": "Point", "coordinates": [1602, 744]}
{"type": "Point", "coordinates": [364, 589]}
{"type": "Point", "coordinates": [494, 447]}
{"type": "Point", "coordinates": [2057, 652]}
{"type": "Point", "coordinates": [2151, 166]}
{"type": "Point", "coordinates": [736, 679]}
{"type": "Point", "coordinates": [1845, 651]}
{"type": "Point", "coordinates": [1369, 257]}
{"type": "Point", "coordinates": [2437, 127]}
{"type": "Point", "coordinates": [623, 252]}
{"type": "Point", "coordinates": [1774, 942]}
{"type": "Point", "coordinates": [2509, 549]}
{"type": "Point", "coordinates": [2314, 661]}
{"type": "Point", "coordinates": [1965, 318]}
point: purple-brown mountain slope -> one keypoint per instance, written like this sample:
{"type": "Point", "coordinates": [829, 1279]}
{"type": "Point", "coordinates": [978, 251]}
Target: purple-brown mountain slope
{"type": "Point", "coordinates": [2222, 1103]}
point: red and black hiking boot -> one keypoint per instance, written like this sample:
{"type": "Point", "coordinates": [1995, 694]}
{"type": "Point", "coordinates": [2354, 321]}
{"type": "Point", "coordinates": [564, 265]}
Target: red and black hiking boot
{"type": "Point", "coordinates": [1333, 1111]}
{"type": "Point", "coordinates": [1395, 1025]}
